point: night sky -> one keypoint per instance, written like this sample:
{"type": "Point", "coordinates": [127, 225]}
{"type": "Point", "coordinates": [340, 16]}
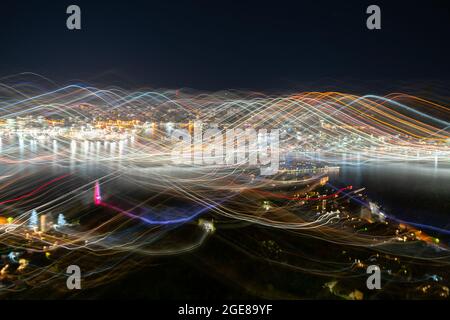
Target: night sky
{"type": "Point", "coordinates": [212, 45]}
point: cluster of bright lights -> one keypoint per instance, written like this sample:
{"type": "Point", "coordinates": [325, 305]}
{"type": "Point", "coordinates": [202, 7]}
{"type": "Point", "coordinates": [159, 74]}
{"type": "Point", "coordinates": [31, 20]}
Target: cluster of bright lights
{"type": "Point", "coordinates": [122, 135]}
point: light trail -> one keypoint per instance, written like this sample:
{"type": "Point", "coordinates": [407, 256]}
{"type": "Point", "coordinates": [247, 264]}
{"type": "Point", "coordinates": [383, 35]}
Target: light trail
{"type": "Point", "coordinates": [33, 192]}
{"type": "Point", "coordinates": [121, 138]}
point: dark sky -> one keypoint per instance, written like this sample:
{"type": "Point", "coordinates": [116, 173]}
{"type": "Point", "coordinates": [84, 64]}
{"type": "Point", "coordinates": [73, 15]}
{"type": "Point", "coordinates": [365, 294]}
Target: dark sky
{"type": "Point", "coordinates": [214, 45]}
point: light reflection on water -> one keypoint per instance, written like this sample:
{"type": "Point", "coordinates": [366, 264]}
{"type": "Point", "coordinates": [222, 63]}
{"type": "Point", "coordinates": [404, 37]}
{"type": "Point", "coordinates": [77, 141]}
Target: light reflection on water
{"type": "Point", "coordinates": [410, 191]}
